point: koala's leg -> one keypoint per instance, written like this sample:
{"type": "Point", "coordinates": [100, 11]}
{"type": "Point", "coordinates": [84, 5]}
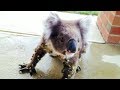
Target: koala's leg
{"type": "Point", "coordinates": [30, 68]}
{"type": "Point", "coordinates": [66, 71]}
{"type": "Point", "coordinates": [70, 68]}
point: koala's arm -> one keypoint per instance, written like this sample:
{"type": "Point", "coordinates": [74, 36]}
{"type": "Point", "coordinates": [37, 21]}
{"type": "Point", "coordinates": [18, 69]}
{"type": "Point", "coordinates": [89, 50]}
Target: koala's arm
{"type": "Point", "coordinates": [36, 57]}
{"type": "Point", "coordinates": [42, 48]}
{"type": "Point", "coordinates": [38, 54]}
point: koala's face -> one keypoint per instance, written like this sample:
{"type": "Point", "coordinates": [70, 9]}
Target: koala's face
{"type": "Point", "coordinates": [67, 37]}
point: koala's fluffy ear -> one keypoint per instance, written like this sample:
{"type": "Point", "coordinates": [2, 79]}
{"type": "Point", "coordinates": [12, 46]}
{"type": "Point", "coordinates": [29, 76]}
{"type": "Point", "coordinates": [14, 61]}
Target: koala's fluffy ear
{"type": "Point", "coordinates": [84, 27]}
{"type": "Point", "coordinates": [52, 20]}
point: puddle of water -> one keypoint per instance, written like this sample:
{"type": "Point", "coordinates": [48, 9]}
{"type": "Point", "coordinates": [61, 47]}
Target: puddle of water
{"type": "Point", "coordinates": [112, 59]}
{"type": "Point", "coordinates": [101, 61]}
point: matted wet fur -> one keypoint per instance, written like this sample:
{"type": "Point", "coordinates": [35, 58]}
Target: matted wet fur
{"type": "Point", "coordinates": [57, 34]}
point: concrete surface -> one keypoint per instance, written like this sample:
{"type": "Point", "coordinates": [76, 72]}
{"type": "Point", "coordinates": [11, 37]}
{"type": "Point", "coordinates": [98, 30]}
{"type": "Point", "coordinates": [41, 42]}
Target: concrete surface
{"type": "Point", "coordinates": [100, 61]}
{"type": "Point", "coordinates": [30, 22]}
{"type": "Point", "coordinates": [15, 50]}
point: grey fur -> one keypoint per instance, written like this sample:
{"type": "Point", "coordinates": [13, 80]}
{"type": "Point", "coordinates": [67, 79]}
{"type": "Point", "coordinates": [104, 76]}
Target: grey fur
{"type": "Point", "coordinates": [56, 35]}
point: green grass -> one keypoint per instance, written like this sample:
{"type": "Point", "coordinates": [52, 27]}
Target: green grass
{"type": "Point", "coordinates": [85, 12]}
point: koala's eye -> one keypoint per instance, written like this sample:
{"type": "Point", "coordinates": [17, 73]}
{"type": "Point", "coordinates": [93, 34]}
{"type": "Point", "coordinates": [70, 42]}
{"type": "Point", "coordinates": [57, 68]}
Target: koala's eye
{"type": "Point", "coordinates": [54, 34]}
{"type": "Point", "coordinates": [62, 39]}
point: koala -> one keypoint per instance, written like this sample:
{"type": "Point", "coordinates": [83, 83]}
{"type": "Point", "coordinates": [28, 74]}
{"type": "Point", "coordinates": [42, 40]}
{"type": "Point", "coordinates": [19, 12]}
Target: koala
{"type": "Point", "coordinates": [62, 39]}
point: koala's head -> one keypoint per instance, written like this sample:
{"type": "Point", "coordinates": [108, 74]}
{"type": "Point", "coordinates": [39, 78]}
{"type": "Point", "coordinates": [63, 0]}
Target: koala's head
{"type": "Point", "coordinates": [67, 37]}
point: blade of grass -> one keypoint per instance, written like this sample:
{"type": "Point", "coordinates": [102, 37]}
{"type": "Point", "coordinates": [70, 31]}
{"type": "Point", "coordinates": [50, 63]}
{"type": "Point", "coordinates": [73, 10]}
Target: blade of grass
{"type": "Point", "coordinates": [84, 12]}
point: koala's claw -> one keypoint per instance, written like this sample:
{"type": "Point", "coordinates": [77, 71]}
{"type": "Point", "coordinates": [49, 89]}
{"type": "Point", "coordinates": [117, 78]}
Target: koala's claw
{"type": "Point", "coordinates": [64, 77]}
{"type": "Point", "coordinates": [22, 66]}
{"type": "Point", "coordinates": [25, 69]}
{"type": "Point", "coordinates": [78, 69]}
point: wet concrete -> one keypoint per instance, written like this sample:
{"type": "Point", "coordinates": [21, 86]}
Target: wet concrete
{"type": "Point", "coordinates": [17, 49]}
{"type": "Point", "coordinates": [100, 60]}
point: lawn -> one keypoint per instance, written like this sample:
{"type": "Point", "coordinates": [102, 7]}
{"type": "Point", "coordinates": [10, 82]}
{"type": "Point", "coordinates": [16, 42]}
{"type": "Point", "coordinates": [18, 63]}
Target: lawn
{"type": "Point", "coordinates": [84, 12]}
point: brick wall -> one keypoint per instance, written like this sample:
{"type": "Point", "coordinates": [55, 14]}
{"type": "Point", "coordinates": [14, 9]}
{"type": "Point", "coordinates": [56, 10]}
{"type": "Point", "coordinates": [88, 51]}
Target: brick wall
{"type": "Point", "coordinates": [109, 25]}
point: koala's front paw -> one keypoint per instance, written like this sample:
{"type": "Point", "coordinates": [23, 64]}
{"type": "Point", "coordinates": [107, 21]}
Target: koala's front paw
{"type": "Point", "coordinates": [67, 71]}
{"type": "Point", "coordinates": [24, 69]}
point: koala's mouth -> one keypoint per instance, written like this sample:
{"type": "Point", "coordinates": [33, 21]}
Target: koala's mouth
{"type": "Point", "coordinates": [69, 54]}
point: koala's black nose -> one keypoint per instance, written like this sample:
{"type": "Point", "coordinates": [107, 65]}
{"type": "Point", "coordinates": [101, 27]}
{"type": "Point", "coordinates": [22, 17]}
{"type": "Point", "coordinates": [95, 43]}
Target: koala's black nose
{"type": "Point", "coordinates": [71, 46]}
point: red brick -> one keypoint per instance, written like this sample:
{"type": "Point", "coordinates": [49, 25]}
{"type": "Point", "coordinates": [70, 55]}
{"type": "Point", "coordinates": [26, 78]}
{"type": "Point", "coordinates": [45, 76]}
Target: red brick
{"type": "Point", "coordinates": [117, 12]}
{"type": "Point", "coordinates": [104, 33]}
{"type": "Point", "coordinates": [111, 17]}
{"type": "Point", "coordinates": [116, 21]}
{"type": "Point", "coordinates": [102, 29]}
{"type": "Point", "coordinates": [104, 20]}
{"type": "Point", "coordinates": [108, 26]}
{"type": "Point", "coordinates": [115, 30]}
{"type": "Point", "coordinates": [114, 39]}
{"type": "Point", "coordinates": [106, 13]}
{"type": "Point", "coordinates": [110, 33]}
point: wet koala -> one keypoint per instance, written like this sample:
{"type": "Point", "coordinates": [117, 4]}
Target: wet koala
{"type": "Point", "coordinates": [62, 39]}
